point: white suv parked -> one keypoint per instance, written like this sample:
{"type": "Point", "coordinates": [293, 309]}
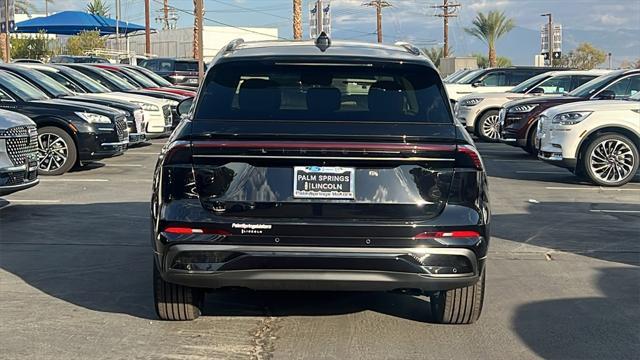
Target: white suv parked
{"type": "Point", "coordinates": [493, 80]}
{"type": "Point", "coordinates": [595, 139]}
{"type": "Point", "coordinates": [479, 111]}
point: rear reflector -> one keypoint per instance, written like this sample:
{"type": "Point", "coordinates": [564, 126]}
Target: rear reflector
{"type": "Point", "coordinates": [448, 234]}
{"type": "Point", "coordinates": [187, 230]}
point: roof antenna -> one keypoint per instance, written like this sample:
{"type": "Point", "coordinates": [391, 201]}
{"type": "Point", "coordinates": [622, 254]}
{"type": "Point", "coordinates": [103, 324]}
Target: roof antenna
{"type": "Point", "coordinates": [323, 42]}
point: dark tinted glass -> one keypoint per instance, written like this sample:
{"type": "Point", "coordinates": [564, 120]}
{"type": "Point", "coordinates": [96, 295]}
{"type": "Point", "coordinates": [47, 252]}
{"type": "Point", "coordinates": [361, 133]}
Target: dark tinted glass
{"type": "Point", "coordinates": [518, 76]}
{"type": "Point", "coordinates": [258, 91]}
{"type": "Point", "coordinates": [186, 66]}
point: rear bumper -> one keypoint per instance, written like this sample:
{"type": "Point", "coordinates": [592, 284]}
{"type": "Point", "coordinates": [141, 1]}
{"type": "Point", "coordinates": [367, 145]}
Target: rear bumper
{"type": "Point", "coordinates": [320, 268]}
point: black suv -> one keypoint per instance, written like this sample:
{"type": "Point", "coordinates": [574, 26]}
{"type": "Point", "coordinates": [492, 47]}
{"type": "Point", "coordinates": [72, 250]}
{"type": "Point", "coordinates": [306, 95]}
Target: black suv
{"type": "Point", "coordinates": [320, 166]}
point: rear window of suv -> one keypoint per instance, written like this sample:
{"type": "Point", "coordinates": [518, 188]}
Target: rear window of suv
{"type": "Point", "coordinates": [186, 66]}
{"type": "Point", "coordinates": [323, 92]}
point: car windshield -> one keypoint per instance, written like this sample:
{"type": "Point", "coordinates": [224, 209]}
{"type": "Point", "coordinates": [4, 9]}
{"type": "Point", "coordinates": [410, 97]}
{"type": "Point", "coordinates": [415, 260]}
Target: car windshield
{"type": "Point", "coordinates": [470, 77]}
{"type": "Point", "coordinates": [21, 88]}
{"type": "Point", "coordinates": [85, 81]}
{"type": "Point", "coordinates": [119, 83]}
{"type": "Point", "coordinates": [51, 86]}
{"type": "Point", "coordinates": [529, 84]}
{"type": "Point", "coordinates": [139, 78]}
{"type": "Point", "coordinates": [589, 88]}
{"type": "Point", "coordinates": [159, 80]}
{"type": "Point", "coordinates": [191, 66]}
{"type": "Point", "coordinates": [456, 76]}
{"type": "Point", "coordinates": [340, 93]}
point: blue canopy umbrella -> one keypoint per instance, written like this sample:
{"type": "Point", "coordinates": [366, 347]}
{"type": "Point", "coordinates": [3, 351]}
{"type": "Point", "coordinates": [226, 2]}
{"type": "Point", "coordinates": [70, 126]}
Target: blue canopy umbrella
{"type": "Point", "coordinates": [74, 22]}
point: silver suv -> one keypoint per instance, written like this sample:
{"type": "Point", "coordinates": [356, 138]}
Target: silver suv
{"type": "Point", "coordinates": [18, 152]}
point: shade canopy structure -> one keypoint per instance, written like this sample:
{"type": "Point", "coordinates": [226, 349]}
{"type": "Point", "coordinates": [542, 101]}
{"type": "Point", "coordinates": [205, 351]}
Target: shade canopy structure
{"type": "Point", "coordinates": [74, 22]}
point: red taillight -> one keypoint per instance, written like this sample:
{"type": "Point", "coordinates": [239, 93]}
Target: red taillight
{"type": "Point", "coordinates": [189, 231]}
{"type": "Point", "coordinates": [472, 154]}
{"type": "Point", "coordinates": [447, 234]}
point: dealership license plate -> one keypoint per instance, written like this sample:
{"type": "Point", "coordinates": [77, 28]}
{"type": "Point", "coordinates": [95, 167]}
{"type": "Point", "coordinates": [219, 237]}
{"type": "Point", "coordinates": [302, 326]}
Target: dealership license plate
{"type": "Point", "coordinates": [323, 182]}
{"type": "Point", "coordinates": [192, 81]}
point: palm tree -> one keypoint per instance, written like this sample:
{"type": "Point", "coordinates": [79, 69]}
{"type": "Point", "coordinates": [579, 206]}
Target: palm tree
{"type": "Point", "coordinates": [98, 7]}
{"type": "Point", "coordinates": [489, 28]}
{"type": "Point", "coordinates": [435, 54]}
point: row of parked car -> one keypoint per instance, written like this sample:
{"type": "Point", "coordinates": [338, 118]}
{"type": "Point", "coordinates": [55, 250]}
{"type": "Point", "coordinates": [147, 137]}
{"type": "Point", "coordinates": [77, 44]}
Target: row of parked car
{"type": "Point", "coordinates": [584, 121]}
{"type": "Point", "coordinates": [54, 117]}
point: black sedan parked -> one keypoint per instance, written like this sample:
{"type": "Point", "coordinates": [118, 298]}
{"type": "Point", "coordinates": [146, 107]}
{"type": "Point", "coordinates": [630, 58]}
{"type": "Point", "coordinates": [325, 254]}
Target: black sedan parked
{"type": "Point", "coordinates": [53, 89]}
{"type": "Point", "coordinates": [68, 132]}
{"type": "Point", "coordinates": [18, 153]}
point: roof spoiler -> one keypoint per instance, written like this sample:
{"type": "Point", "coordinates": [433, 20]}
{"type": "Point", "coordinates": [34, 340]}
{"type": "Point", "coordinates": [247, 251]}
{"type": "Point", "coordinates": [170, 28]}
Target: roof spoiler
{"type": "Point", "coordinates": [412, 49]}
{"type": "Point", "coordinates": [233, 44]}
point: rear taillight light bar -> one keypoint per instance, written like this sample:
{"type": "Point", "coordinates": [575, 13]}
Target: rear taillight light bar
{"type": "Point", "coordinates": [472, 154]}
{"type": "Point", "coordinates": [194, 231]}
{"type": "Point", "coordinates": [447, 234]}
{"type": "Point", "coordinates": [322, 145]}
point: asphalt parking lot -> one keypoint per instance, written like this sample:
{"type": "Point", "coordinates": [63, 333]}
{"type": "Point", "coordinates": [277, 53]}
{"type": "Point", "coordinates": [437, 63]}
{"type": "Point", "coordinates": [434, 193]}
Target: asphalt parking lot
{"type": "Point", "coordinates": [563, 279]}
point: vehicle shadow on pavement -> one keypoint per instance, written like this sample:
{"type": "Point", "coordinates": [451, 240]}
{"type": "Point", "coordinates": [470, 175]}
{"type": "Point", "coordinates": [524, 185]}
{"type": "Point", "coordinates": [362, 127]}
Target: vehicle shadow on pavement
{"type": "Point", "coordinates": [98, 256]}
{"type": "Point", "coordinates": [604, 327]}
{"type": "Point", "coordinates": [242, 302]}
{"type": "Point", "coordinates": [581, 228]}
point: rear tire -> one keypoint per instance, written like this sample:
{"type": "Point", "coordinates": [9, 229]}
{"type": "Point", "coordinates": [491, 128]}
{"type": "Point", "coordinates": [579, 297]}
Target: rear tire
{"type": "Point", "coordinates": [57, 153]}
{"type": "Point", "coordinates": [458, 306]}
{"type": "Point", "coordinates": [489, 126]}
{"type": "Point", "coordinates": [176, 302]}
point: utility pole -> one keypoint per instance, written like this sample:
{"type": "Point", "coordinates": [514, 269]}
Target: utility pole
{"type": "Point", "coordinates": [550, 38]}
{"type": "Point", "coordinates": [46, 7]}
{"type": "Point", "coordinates": [165, 11]}
{"type": "Point", "coordinates": [379, 5]}
{"type": "Point", "coordinates": [297, 19]}
{"type": "Point", "coordinates": [448, 10]}
{"type": "Point", "coordinates": [198, 44]}
{"type": "Point", "coordinates": [147, 27]}
{"type": "Point", "coordinates": [7, 37]}
{"type": "Point", "coordinates": [118, 25]}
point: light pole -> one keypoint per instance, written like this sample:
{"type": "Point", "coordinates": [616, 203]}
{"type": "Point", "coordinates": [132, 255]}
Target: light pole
{"type": "Point", "coordinates": [550, 39]}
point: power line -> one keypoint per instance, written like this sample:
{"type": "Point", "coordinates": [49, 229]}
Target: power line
{"type": "Point", "coordinates": [448, 10]}
{"type": "Point", "coordinates": [220, 22]}
{"type": "Point", "coordinates": [379, 5]}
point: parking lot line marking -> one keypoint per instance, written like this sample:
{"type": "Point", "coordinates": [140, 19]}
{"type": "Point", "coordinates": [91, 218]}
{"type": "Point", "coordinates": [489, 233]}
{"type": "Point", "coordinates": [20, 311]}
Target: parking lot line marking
{"type": "Point", "coordinates": [142, 153]}
{"type": "Point", "coordinates": [632, 189]}
{"type": "Point", "coordinates": [125, 165]}
{"type": "Point", "coordinates": [34, 201]}
{"type": "Point", "coordinates": [570, 188]}
{"type": "Point", "coordinates": [542, 172]}
{"type": "Point", "coordinates": [513, 160]}
{"type": "Point", "coordinates": [617, 211]}
{"type": "Point", "coordinates": [74, 180]}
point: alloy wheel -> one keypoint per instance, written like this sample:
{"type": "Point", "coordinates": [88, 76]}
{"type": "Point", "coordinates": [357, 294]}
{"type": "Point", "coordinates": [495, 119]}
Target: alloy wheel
{"type": "Point", "coordinates": [53, 152]}
{"type": "Point", "coordinates": [491, 127]}
{"type": "Point", "coordinates": [612, 160]}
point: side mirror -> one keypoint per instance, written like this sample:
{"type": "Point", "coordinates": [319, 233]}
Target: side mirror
{"type": "Point", "coordinates": [477, 84]}
{"type": "Point", "coordinates": [184, 107]}
{"type": "Point", "coordinates": [537, 91]}
{"type": "Point", "coordinates": [606, 95]}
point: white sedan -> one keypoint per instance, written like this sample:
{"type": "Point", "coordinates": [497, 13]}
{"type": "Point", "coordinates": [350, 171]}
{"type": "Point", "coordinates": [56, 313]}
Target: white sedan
{"type": "Point", "coordinates": [595, 139]}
